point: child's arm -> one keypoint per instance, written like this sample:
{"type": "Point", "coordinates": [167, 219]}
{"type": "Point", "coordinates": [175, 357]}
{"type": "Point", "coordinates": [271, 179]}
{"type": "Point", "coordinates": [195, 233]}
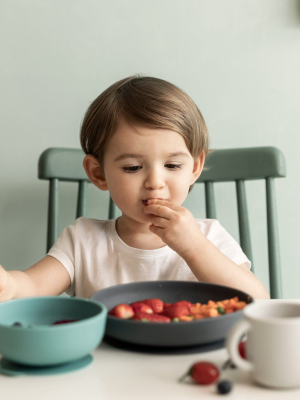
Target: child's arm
{"type": "Point", "coordinates": [213, 266]}
{"type": "Point", "coordinates": [48, 277]}
{"type": "Point", "coordinates": [176, 226]}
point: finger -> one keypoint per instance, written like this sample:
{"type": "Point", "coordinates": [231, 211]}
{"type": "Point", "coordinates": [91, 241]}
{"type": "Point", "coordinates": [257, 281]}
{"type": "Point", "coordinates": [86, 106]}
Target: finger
{"type": "Point", "coordinates": [159, 222]}
{"type": "Point", "coordinates": [165, 203]}
{"type": "Point", "coordinates": [156, 230]}
{"type": "Point", "coordinates": [159, 210]}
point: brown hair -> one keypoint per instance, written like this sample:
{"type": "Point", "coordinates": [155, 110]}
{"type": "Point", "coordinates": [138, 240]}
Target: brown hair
{"type": "Point", "coordinates": [147, 101]}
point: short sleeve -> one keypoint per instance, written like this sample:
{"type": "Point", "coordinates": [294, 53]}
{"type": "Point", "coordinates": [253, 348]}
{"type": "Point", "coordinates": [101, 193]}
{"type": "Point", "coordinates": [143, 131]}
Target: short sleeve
{"type": "Point", "coordinates": [63, 251]}
{"type": "Point", "coordinates": [225, 242]}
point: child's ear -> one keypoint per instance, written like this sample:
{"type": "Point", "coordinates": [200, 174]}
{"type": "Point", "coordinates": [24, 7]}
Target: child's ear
{"type": "Point", "coordinates": [92, 168]}
{"type": "Point", "coordinates": [198, 167]}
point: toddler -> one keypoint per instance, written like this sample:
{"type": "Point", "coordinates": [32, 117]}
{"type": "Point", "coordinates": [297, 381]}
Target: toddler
{"type": "Point", "coordinates": [145, 142]}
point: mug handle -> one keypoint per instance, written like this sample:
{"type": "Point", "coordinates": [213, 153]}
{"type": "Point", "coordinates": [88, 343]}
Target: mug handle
{"type": "Point", "coordinates": [232, 342]}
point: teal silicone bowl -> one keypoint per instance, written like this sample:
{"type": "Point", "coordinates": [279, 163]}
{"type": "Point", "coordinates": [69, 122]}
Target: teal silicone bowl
{"type": "Point", "coordinates": [39, 343]}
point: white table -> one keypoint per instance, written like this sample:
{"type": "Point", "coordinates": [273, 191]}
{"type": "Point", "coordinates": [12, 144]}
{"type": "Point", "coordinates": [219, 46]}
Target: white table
{"type": "Point", "coordinates": [125, 375]}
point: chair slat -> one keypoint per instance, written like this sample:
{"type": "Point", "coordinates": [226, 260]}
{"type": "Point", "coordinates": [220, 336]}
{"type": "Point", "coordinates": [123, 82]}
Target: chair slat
{"type": "Point", "coordinates": [53, 213]}
{"type": "Point", "coordinates": [273, 241]}
{"type": "Point", "coordinates": [243, 163]}
{"type": "Point", "coordinates": [62, 163]}
{"type": "Point", "coordinates": [210, 203]}
{"type": "Point", "coordinates": [82, 199]}
{"type": "Point", "coordinates": [243, 218]}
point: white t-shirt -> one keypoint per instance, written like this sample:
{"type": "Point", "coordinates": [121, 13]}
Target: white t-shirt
{"type": "Point", "coordinates": [96, 257]}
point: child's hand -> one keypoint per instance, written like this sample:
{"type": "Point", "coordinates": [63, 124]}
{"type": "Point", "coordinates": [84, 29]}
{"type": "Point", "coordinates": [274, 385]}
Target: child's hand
{"type": "Point", "coordinates": [4, 276]}
{"type": "Point", "coordinates": [176, 226]}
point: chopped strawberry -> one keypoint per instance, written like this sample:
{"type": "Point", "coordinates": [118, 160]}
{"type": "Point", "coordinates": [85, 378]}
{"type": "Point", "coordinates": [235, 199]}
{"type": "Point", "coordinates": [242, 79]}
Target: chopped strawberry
{"type": "Point", "coordinates": [124, 311]}
{"type": "Point", "coordinates": [140, 306]}
{"type": "Point", "coordinates": [64, 321]}
{"type": "Point", "coordinates": [157, 305]}
{"type": "Point", "coordinates": [176, 311]}
{"type": "Point", "coordinates": [167, 305]}
{"type": "Point", "coordinates": [183, 303]}
{"type": "Point", "coordinates": [151, 317]}
{"type": "Point", "coordinates": [186, 318]}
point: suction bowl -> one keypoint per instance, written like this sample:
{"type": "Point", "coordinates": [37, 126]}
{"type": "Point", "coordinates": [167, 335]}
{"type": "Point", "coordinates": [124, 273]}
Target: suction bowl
{"type": "Point", "coordinates": [39, 343]}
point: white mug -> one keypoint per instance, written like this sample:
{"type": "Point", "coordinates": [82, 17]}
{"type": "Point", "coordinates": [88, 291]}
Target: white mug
{"type": "Point", "coordinates": [273, 343]}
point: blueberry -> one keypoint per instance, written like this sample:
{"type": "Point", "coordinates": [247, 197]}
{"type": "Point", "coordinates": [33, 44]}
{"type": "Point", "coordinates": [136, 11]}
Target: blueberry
{"type": "Point", "coordinates": [17, 324]}
{"type": "Point", "coordinates": [224, 387]}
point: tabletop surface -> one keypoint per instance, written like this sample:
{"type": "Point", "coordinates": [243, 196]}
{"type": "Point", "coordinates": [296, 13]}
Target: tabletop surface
{"type": "Point", "coordinates": [125, 374]}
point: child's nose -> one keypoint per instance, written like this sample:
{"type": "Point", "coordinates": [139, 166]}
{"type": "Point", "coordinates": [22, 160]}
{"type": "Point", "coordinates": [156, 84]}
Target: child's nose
{"type": "Point", "coordinates": [154, 180]}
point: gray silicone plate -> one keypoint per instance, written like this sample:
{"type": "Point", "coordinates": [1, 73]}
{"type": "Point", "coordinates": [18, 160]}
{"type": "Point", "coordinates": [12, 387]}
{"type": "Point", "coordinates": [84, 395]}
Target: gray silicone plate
{"type": "Point", "coordinates": [172, 334]}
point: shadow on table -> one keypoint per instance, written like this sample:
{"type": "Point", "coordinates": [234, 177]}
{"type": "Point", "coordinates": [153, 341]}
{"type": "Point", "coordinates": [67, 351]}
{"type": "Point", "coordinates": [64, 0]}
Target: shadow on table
{"type": "Point", "coordinates": [163, 350]}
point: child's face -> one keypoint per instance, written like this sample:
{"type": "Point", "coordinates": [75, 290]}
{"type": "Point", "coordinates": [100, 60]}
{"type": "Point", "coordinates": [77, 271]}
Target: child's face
{"type": "Point", "coordinates": [155, 174]}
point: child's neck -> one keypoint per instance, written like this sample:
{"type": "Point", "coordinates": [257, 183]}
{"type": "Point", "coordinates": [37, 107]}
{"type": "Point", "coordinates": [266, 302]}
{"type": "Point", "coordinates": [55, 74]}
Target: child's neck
{"type": "Point", "coordinates": [144, 241]}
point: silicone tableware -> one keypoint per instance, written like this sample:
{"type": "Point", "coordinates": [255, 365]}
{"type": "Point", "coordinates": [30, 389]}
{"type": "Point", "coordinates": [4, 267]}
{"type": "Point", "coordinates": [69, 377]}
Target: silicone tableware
{"type": "Point", "coordinates": [192, 333]}
{"type": "Point", "coordinates": [39, 343]}
{"type": "Point", "coordinates": [13, 369]}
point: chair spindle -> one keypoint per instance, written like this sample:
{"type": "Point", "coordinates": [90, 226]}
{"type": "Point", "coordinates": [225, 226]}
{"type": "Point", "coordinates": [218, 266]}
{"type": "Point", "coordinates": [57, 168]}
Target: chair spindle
{"type": "Point", "coordinates": [53, 212]}
{"type": "Point", "coordinates": [273, 241]}
{"type": "Point", "coordinates": [210, 203]}
{"type": "Point", "coordinates": [244, 226]}
{"type": "Point", "coordinates": [82, 199]}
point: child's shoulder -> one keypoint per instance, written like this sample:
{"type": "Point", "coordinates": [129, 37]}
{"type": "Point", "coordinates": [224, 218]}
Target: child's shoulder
{"type": "Point", "coordinates": [92, 221]}
{"type": "Point", "coordinates": [91, 225]}
{"type": "Point", "coordinates": [209, 226]}
{"type": "Point", "coordinates": [205, 222]}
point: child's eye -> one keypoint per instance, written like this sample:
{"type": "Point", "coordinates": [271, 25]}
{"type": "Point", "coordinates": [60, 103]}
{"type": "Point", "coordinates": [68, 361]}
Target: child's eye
{"type": "Point", "coordinates": [136, 167]}
{"type": "Point", "coordinates": [173, 166]}
{"type": "Point", "coordinates": [131, 169]}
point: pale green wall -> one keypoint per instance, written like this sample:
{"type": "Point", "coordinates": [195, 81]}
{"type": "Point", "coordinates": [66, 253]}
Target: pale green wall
{"type": "Point", "coordinates": [239, 61]}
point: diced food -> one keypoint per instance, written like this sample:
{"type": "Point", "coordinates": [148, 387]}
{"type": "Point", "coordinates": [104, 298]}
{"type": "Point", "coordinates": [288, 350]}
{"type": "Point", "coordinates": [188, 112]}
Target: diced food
{"type": "Point", "coordinates": [140, 306]}
{"type": "Point", "coordinates": [181, 311]}
{"type": "Point", "coordinates": [183, 303]}
{"type": "Point", "coordinates": [151, 317]}
{"type": "Point", "coordinates": [177, 311]}
{"type": "Point", "coordinates": [124, 311]}
{"type": "Point", "coordinates": [157, 305]}
{"type": "Point", "coordinates": [64, 321]}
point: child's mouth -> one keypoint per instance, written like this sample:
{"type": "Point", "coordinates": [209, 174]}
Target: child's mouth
{"type": "Point", "coordinates": [145, 201]}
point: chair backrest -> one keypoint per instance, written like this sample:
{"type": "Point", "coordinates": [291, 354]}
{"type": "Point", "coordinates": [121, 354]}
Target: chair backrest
{"type": "Point", "coordinates": [228, 165]}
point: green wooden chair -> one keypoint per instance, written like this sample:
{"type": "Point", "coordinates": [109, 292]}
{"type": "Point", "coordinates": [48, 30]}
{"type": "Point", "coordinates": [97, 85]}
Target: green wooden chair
{"type": "Point", "coordinates": [229, 165]}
